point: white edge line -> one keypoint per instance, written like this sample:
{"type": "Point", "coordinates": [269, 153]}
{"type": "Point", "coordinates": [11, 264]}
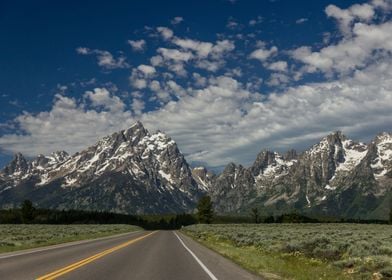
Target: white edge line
{"type": "Point", "coordinates": [68, 244]}
{"type": "Point", "coordinates": [212, 276]}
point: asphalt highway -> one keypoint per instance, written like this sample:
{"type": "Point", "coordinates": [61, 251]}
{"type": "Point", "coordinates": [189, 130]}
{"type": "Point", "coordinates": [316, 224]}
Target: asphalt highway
{"type": "Point", "coordinates": [144, 255]}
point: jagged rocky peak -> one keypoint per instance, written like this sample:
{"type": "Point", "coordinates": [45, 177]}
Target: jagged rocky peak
{"type": "Point", "coordinates": [17, 166]}
{"type": "Point", "coordinates": [380, 155]}
{"type": "Point", "coordinates": [200, 171]}
{"type": "Point", "coordinates": [203, 177]}
{"type": "Point", "coordinates": [332, 143]}
{"type": "Point", "coordinates": [384, 138]}
{"type": "Point", "coordinates": [199, 174]}
{"type": "Point", "coordinates": [291, 155]}
{"type": "Point", "coordinates": [42, 161]}
{"type": "Point", "coordinates": [59, 156]}
{"type": "Point", "coordinates": [336, 137]}
{"type": "Point", "coordinates": [264, 159]}
{"type": "Point", "coordinates": [135, 132]}
{"type": "Point", "coordinates": [230, 168]}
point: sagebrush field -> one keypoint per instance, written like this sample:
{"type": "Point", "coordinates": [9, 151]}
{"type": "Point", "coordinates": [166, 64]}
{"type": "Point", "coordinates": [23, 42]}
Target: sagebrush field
{"type": "Point", "coordinates": [16, 237]}
{"type": "Point", "coordinates": [303, 251]}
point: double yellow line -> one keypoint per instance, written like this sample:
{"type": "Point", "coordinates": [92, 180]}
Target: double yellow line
{"type": "Point", "coordinates": [83, 262]}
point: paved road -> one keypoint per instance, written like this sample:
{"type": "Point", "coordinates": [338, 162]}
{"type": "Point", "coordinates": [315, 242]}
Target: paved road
{"type": "Point", "coordinates": [142, 255]}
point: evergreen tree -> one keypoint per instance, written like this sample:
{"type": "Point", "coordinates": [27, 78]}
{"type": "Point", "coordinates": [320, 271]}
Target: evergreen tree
{"type": "Point", "coordinates": [255, 215]}
{"type": "Point", "coordinates": [27, 211]}
{"type": "Point", "coordinates": [204, 210]}
{"type": "Point", "coordinates": [390, 216]}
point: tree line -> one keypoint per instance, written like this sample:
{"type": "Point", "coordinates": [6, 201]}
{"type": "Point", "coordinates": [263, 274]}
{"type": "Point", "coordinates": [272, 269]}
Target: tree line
{"type": "Point", "coordinates": [27, 213]}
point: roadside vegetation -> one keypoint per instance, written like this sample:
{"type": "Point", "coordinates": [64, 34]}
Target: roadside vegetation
{"type": "Point", "coordinates": [18, 237]}
{"type": "Point", "coordinates": [303, 251]}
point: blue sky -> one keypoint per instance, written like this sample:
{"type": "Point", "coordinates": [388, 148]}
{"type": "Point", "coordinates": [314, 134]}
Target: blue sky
{"type": "Point", "coordinates": [223, 78]}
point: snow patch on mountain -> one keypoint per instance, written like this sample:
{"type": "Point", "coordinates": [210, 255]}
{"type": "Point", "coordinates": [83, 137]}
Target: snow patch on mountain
{"type": "Point", "coordinates": [353, 154]}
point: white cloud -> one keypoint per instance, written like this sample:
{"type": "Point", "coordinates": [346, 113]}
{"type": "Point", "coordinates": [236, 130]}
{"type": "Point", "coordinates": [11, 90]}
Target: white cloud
{"type": "Point", "coordinates": [278, 66]}
{"type": "Point", "coordinates": [139, 83]}
{"type": "Point", "coordinates": [278, 79]}
{"type": "Point", "coordinates": [301, 20]}
{"type": "Point", "coordinates": [203, 49]}
{"type": "Point", "coordinates": [83, 51]}
{"type": "Point", "coordinates": [146, 69]}
{"type": "Point", "coordinates": [102, 97]}
{"type": "Point", "coordinates": [223, 109]}
{"type": "Point", "coordinates": [137, 45]}
{"type": "Point", "coordinates": [70, 125]}
{"type": "Point", "coordinates": [385, 5]}
{"type": "Point", "coordinates": [138, 106]}
{"type": "Point", "coordinates": [104, 58]}
{"type": "Point", "coordinates": [263, 54]}
{"type": "Point", "coordinates": [174, 54]}
{"type": "Point", "coordinates": [165, 32]}
{"type": "Point", "coordinates": [200, 81]}
{"type": "Point", "coordinates": [345, 17]}
{"type": "Point", "coordinates": [205, 55]}
{"type": "Point", "coordinates": [177, 20]}
{"type": "Point", "coordinates": [367, 43]}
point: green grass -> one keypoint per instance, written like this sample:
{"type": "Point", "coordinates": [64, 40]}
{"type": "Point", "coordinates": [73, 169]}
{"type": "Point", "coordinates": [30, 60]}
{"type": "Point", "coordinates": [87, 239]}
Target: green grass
{"type": "Point", "coordinates": [303, 251]}
{"type": "Point", "coordinates": [18, 237]}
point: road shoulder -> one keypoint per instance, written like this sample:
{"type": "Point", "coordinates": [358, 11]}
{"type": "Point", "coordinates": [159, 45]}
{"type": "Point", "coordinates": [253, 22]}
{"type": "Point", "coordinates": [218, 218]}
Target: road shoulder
{"type": "Point", "coordinates": [220, 266]}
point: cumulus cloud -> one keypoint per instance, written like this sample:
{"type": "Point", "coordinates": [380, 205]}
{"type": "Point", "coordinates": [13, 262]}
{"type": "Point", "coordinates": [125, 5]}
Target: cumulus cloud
{"type": "Point", "coordinates": [102, 97]}
{"type": "Point", "coordinates": [69, 125]}
{"type": "Point", "coordinates": [206, 55]}
{"type": "Point", "coordinates": [174, 54]}
{"type": "Point", "coordinates": [146, 69]}
{"type": "Point", "coordinates": [137, 45]}
{"type": "Point", "coordinates": [263, 54]}
{"type": "Point", "coordinates": [345, 17]}
{"type": "Point", "coordinates": [280, 66]}
{"type": "Point", "coordinates": [369, 42]}
{"type": "Point", "coordinates": [138, 106]}
{"type": "Point", "coordinates": [104, 58]}
{"type": "Point", "coordinates": [293, 118]}
{"type": "Point", "coordinates": [223, 119]}
{"type": "Point", "coordinates": [165, 32]}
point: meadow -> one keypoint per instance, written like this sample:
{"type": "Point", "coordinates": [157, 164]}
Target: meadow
{"type": "Point", "coordinates": [24, 236]}
{"type": "Point", "coordinates": [303, 251]}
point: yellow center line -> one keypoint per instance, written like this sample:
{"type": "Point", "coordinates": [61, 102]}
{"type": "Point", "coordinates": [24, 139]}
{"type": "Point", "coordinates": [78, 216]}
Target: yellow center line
{"type": "Point", "coordinates": [69, 268]}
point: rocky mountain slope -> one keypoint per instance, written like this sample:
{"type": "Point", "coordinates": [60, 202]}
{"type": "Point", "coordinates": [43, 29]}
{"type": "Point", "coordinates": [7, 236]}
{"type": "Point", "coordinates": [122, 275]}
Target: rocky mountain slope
{"type": "Point", "coordinates": [134, 171]}
{"type": "Point", "coordinates": [336, 177]}
{"type": "Point", "coordinates": [131, 171]}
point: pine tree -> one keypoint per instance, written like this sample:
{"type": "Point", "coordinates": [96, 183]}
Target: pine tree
{"type": "Point", "coordinates": [255, 215]}
{"type": "Point", "coordinates": [205, 212]}
{"type": "Point", "coordinates": [390, 216]}
{"type": "Point", "coordinates": [27, 211]}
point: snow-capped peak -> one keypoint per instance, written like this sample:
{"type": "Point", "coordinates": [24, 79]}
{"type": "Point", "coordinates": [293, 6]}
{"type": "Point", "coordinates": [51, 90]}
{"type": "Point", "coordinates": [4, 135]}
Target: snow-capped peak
{"type": "Point", "coordinates": [18, 166]}
{"type": "Point", "coordinates": [353, 154]}
{"type": "Point", "coordinates": [382, 163]}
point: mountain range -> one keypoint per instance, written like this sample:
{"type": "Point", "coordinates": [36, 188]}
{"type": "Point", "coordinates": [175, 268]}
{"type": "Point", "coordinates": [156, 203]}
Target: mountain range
{"type": "Point", "coordinates": [138, 172]}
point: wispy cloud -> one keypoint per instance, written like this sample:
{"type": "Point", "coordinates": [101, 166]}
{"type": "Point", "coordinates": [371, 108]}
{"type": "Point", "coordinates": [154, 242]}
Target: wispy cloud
{"type": "Point", "coordinates": [104, 58]}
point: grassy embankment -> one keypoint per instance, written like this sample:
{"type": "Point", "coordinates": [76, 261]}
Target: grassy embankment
{"type": "Point", "coordinates": [25, 236]}
{"type": "Point", "coordinates": [303, 251]}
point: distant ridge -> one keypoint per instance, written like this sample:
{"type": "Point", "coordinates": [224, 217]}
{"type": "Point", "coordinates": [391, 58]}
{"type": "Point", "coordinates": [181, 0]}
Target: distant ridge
{"type": "Point", "coordinates": [134, 171]}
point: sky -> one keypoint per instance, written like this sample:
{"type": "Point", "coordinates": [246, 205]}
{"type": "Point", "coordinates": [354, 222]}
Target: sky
{"type": "Point", "coordinates": [224, 79]}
